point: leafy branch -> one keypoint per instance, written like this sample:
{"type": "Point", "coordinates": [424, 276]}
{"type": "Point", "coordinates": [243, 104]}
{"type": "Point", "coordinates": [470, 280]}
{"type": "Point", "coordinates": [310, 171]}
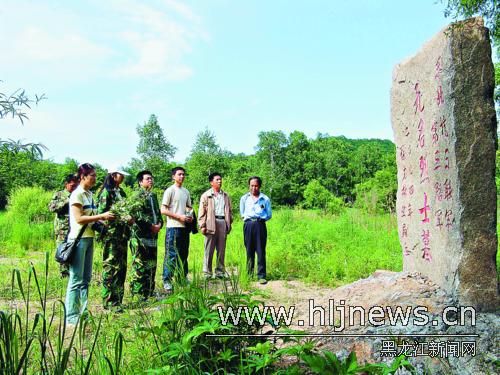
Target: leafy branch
{"type": "Point", "coordinates": [15, 104]}
{"type": "Point", "coordinates": [36, 149]}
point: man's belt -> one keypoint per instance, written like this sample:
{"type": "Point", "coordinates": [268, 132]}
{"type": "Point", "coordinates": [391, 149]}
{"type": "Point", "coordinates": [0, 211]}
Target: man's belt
{"type": "Point", "coordinates": [254, 219]}
{"type": "Point", "coordinates": [219, 217]}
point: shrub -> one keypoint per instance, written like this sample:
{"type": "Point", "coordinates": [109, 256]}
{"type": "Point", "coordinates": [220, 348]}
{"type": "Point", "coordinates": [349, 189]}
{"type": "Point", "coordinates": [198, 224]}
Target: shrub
{"type": "Point", "coordinates": [317, 196]}
{"type": "Point", "coordinates": [378, 194]}
{"type": "Point", "coordinates": [335, 205]}
{"type": "Point", "coordinates": [28, 222]}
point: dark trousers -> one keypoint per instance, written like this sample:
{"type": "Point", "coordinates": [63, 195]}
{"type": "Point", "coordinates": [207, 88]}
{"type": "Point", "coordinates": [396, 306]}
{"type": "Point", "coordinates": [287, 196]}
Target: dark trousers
{"type": "Point", "coordinates": [255, 235]}
{"type": "Point", "coordinates": [176, 253]}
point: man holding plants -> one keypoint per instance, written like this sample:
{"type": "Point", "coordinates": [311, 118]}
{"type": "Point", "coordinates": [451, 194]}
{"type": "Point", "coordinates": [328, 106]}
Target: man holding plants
{"type": "Point", "coordinates": [114, 262]}
{"type": "Point", "coordinates": [144, 244]}
{"type": "Point", "coordinates": [255, 210]}
{"type": "Point", "coordinates": [176, 205]}
{"type": "Point", "coordinates": [60, 206]}
{"type": "Point", "coordinates": [214, 219]}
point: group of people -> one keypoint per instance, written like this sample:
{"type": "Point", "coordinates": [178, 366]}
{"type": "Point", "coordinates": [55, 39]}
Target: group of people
{"type": "Point", "coordinates": [79, 215]}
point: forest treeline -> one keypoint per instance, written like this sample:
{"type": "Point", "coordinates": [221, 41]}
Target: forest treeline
{"type": "Point", "coordinates": [325, 172]}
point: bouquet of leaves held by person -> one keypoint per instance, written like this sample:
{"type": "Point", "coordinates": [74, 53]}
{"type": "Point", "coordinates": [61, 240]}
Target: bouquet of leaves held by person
{"type": "Point", "coordinates": [127, 212]}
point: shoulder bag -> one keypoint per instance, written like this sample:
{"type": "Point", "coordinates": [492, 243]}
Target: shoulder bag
{"type": "Point", "coordinates": [66, 249]}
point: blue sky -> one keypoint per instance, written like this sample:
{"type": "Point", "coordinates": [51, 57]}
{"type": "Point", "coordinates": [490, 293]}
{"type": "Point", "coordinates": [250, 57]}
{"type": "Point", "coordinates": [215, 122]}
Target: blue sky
{"type": "Point", "coordinates": [234, 67]}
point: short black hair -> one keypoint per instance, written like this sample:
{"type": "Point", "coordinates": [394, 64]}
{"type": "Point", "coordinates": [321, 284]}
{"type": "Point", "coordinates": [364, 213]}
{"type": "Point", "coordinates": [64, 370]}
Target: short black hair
{"type": "Point", "coordinates": [174, 170]}
{"type": "Point", "coordinates": [71, 178]}
{"type": "Point", "coordinates": [259, 180]}
{"type": "Point", "coordinates": [211, 176]}
{"type": "Point", "coordinates": [141, 174]}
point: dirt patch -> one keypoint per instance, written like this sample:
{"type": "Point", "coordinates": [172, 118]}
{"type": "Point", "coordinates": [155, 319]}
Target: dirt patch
{"type": "Point", "coordinates": [382, 288]}
{"type": "Point", "coordinates": [388, 290]}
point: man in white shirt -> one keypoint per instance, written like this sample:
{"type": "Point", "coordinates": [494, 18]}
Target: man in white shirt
{"type": "Point", "coordinates": [177, 207]}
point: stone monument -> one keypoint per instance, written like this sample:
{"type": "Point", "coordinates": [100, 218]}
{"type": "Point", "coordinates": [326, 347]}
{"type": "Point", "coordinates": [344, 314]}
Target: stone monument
{"type": "Point", "coordinates": [445, 129]}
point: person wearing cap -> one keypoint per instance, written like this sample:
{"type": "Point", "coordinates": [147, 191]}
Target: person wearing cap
{"type": "Point", "coordinates": [59, 204]}
{"type": "Point", "coordinates": [255, 210]}
{"type": "Point", "coordinates": [144, 245]}
{"type": "Point", "coordinates": [215, 219]}
{"type": "Point", "coordinates": [114, 263]}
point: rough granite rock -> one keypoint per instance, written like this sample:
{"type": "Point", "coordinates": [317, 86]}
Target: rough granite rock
{"type": "Point", "coordinates": [445, 129]}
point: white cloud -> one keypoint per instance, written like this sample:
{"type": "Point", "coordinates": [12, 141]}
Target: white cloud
{"type": "Point", "coordinates": [100, 39]}
{"type": "Point", "coordinates": [183, 10]}
{"type": "Point", "coordinates": [162, 37]}
{"type": "Point", "coordinates": [41, 45]}
{"type": "Point", "coordinates": [155, 57]}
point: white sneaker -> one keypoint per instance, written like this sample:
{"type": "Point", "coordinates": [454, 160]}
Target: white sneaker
{"type": "Point", "coordinates": [167, 287]}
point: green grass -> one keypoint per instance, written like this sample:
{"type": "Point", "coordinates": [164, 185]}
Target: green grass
{"type": "Point", "coordinates": [302, 244]}
{"type": "Point", "coordinates": [331, 250]}
{"type": "Point", "coordinates": [168, 336]}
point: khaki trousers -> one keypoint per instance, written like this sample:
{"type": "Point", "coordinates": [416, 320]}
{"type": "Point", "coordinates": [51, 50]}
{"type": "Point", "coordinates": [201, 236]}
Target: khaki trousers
{"type": "Point", "coordinates": [212, 242]}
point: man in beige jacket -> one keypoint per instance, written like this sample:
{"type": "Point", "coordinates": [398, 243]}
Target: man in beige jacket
{"type": "Point", "coordinates": [214, 220]}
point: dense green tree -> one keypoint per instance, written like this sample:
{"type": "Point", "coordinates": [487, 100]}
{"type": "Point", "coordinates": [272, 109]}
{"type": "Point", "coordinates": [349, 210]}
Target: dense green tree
{"type": "Point", "coordinates": [272, 159]}
{"type": "Point", "coordinates": [153, 143]}
{"type": "Point", "coordinates": [155, 153]}
{"type": "Point", "coordinates": [206, 157]}
{"type": "Point", "coordinates": [298, 166]}
{"type": "Point", "coordinates": [331, 166]}
{"type": "Point", "coordinates": [241, 167]}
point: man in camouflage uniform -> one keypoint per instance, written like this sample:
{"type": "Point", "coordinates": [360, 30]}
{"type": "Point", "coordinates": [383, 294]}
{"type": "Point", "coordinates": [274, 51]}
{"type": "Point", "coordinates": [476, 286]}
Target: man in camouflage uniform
{"type": "Point", "coordinates": [114, 240]}
{"type": "Point", "coordinates": [60, 206]}
{"type": "Point", "coordinates": [144, 244]}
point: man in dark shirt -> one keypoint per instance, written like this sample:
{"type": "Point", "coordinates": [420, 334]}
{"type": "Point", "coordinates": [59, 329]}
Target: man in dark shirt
{"type": "Point", "coordinates": [144, 245]}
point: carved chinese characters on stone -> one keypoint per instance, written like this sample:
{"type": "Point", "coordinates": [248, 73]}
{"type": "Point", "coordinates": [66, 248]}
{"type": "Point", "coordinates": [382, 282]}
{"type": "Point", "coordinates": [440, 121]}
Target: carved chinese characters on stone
{"type": "Point", "coordinates": [445, 140]}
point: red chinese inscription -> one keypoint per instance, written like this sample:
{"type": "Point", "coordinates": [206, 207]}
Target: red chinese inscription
{"type": "Point", "coordinates": [419, 107]}
{"type": "Point", "coordinates": [424, 210]}
{"type": "Point", "coordinates": [424, 173]}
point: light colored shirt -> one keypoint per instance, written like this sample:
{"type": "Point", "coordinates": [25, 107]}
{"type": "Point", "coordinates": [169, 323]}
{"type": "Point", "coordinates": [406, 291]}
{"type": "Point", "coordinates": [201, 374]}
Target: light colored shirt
{"type": "Point", "coordinates": [177, 200]}
{"type": "Point", "coordinates": [218, 203]}
{"type": "Point", "coordinates": [84, 198]}
{"type": "Point", "coordinates": [255, 209]}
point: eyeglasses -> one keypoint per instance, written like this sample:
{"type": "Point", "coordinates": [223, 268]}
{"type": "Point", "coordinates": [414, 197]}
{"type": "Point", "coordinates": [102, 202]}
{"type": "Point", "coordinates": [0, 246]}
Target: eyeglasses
{"type": "Point", "coordinates": [149, 178]}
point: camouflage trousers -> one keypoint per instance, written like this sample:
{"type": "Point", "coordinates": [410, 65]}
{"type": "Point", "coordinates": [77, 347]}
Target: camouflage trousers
{"type": "Point", "coordinates": [114, 271]}
{"type": "Point", "coordinates": [144, 258]}
{"type": "Point", "coordinates": [63, 268]}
